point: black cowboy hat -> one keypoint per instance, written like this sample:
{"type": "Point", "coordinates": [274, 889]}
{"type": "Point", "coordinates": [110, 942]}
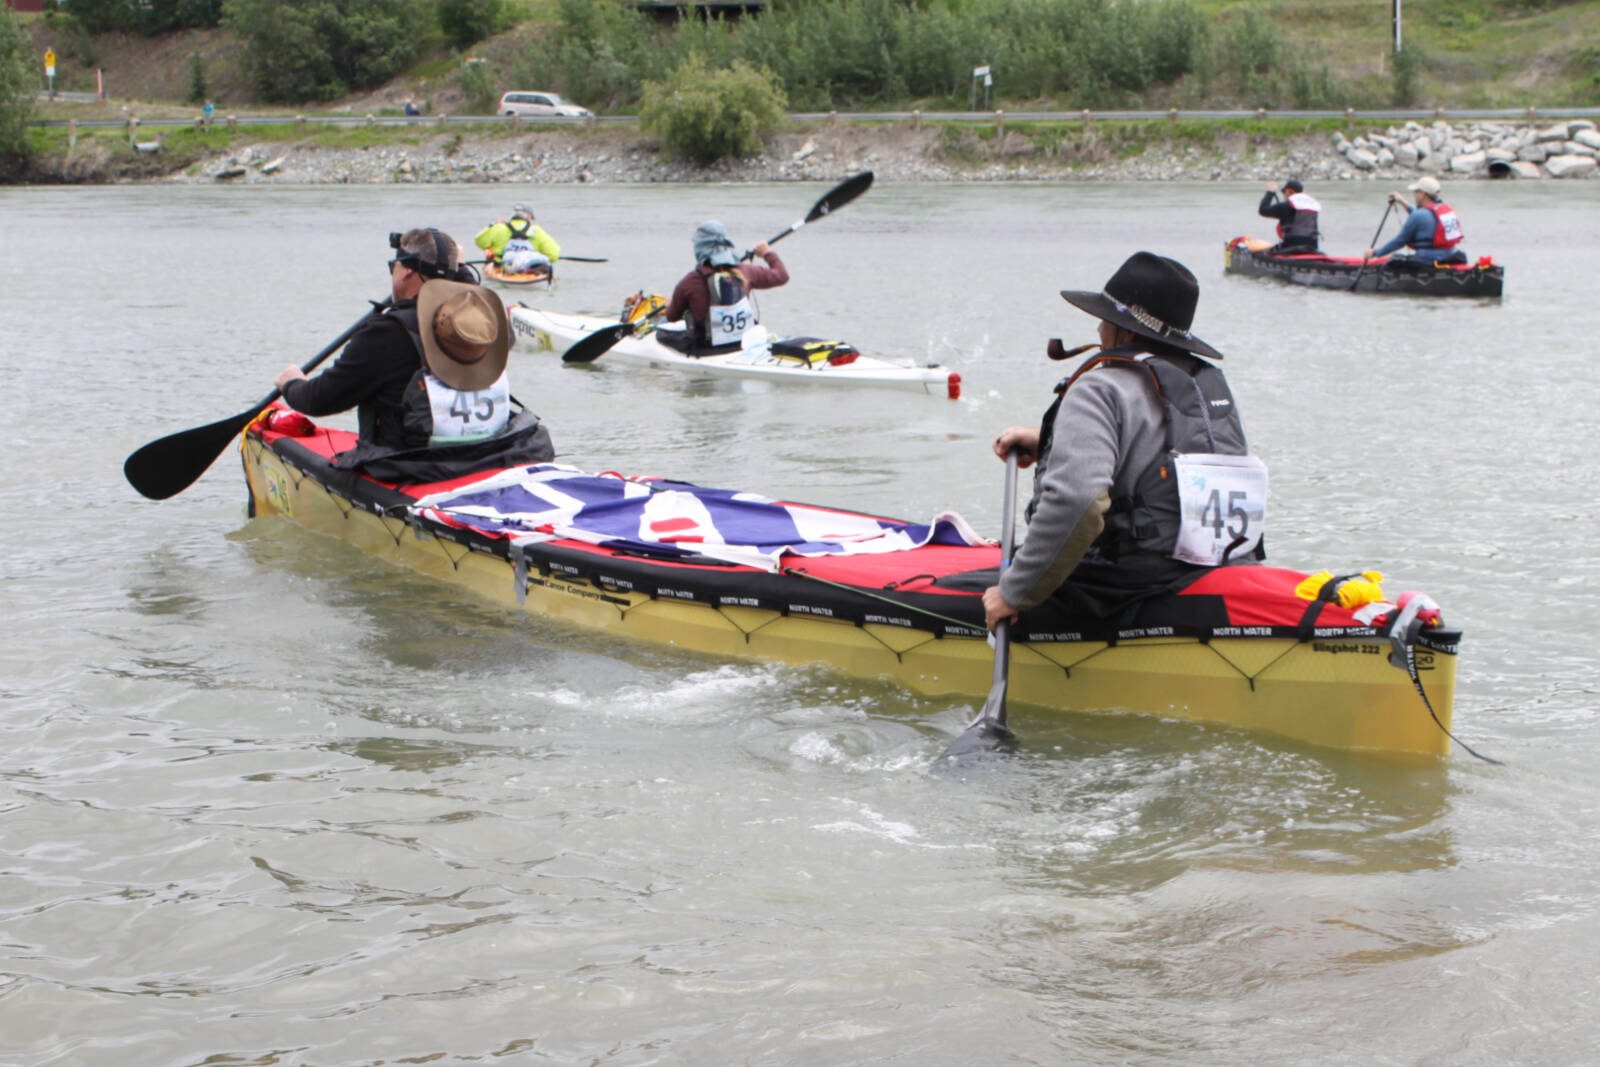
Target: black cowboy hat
{"type": "Point", "coordinates": [1151, 295]}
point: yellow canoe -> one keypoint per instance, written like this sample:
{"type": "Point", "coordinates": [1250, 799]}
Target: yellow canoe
{"type": "Point", "coordinates": [1327, 682]}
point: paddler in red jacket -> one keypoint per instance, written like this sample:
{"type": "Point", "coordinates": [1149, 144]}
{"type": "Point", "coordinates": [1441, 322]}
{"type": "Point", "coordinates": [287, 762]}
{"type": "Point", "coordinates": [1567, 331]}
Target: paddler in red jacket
{"type": "Point", "coordinates": [713, 300]}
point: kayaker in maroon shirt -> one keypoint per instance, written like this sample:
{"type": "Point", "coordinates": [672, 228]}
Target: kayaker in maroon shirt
{"type": "Point", "coordinates": [713, 300]}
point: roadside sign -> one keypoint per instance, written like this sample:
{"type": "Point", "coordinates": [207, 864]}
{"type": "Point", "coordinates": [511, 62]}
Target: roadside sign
{"type": "Point", "coordinates": [980, 72]}
{"type": "Point", "coordinates": [50, 70]}
{"type": "Point", "coordinates": [50, 58]}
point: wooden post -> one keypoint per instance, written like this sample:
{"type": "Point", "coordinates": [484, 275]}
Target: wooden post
{"type": "Point", "coordinates": [442, 117]}
{"type": "Point", "coordinates": [1172, 115]}
{"type": "Point", "coordinates": [371, 119]}
{"type": "Point", "coordinates": [231, 124]}
{"type": "Point", "coordinates": [1088, 119]}
{"type": "Point", "coordinates": [916, 118]}
{"type": "Point", "coordinates": [133, 129]}
{"type": "Point", "coordinates": [1261, 113]}
{"type": "Point", "coordinates": [999, 122]}
{"type": "Point", "coordinates": [72, 133]}
{"type": "Point", "coordinates": [300, 125]}
{"type": "Point", "coordinates": [833, 117]}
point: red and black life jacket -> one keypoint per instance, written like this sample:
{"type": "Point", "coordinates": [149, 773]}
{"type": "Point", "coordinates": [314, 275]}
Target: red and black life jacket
{"type": "Point", "coordinates": [1446, 225]}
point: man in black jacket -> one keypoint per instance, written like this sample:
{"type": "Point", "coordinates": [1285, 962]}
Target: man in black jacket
{"type": "Point", "coordinates": [1296, 214]}
{"type": "Point", "coordinates": [372, 372]}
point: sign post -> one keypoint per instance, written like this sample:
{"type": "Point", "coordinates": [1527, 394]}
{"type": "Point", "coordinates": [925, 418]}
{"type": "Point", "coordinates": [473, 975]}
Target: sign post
{"type": "Point", "coordinates": [50, 70]}
{"type": "Point", "coordinates": [980, 73]}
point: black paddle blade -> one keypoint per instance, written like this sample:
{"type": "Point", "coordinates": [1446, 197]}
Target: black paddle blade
{"type": "Point", "coordinates": [168, 466]}
{"type": "Point", "coordinates": [597, 344]}
{"type": "Point", "coordinates": [987, 735]}
{"type": "Point", "coordinates": [840, 195]}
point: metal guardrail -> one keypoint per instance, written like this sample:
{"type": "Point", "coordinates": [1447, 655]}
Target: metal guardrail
{"type": "Point", "coordinates": [1529, 114]}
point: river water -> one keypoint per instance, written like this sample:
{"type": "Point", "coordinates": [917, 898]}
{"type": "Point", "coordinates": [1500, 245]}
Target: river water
{"type": "Point", "coordinates": [267, 800]}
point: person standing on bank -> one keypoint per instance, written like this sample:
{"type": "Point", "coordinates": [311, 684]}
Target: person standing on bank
{"type": "Point", "coordinates": [1143, 479]}
{"type": "Point", "coordinates": [1432, 230]}
{"type": "Point", "coordinates": [1297, 215]}
{"type": "Point", "coordinates": [400, 370]}
{"type": "Point", "coordinates": [713, 300]}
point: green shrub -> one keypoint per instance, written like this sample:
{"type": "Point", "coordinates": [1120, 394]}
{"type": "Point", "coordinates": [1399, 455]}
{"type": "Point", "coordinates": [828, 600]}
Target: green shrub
{"type": "Point", "coordinates": [476, 81]}
{"type": "Point", "coordinates": [19, 81]}
{"type": "Point", "coordinates": [199, 87]}
{"type": "Point", "coordinates": [466, 22]}
{"type": "Point", "coordinates": [300, 50]}
{"type": "Point", "coordinates": [704, 115]}
{"type": "Point", "coordinates": [1405, 69]}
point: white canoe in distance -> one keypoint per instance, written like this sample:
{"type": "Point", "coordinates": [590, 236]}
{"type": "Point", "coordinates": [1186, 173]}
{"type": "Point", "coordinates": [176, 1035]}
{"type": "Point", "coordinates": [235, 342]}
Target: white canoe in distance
{"type": "Point", "coordinates": [556, 332]}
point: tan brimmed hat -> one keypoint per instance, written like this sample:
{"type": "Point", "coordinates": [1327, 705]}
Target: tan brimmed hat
{"type": "Point", "coordinates": [465, 336]}
{"type": "Point", "coordinates": [1425, 184]}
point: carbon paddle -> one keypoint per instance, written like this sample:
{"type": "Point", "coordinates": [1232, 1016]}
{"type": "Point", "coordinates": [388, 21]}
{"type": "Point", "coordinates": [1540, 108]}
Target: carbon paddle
{"type": "Point", "coordinates": [831, 201]}
{"type": "Point", "coordinates": [1373, 244]}
{"type": "Point", "coordinates": [600, 342]}
{"type": "Point", "coordinates": [989, 731]}
{"type": "Point", "coordinates": [172, 464]}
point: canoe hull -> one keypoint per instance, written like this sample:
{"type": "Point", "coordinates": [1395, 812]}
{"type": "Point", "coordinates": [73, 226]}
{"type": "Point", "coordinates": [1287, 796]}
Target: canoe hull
{"type": "Point", "coordinates": [552, 331]}
{"type": "Point", "coordinates": [1380, 276]}
{"type": "Point", "coordinates": [538, 277]}
{"type": "Point", "coordinates": [1339, 692]}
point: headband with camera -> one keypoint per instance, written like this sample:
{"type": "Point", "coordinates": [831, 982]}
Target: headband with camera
{"type": "Point", "coordinates": [439, 267]}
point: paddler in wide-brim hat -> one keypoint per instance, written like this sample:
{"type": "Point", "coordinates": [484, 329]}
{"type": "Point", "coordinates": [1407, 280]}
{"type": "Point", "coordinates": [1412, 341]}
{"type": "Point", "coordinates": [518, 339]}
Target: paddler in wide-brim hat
{"type": "Point", "coordinates": [466, 337]}
{"type": "Point", "coordinates": [1104, 520]}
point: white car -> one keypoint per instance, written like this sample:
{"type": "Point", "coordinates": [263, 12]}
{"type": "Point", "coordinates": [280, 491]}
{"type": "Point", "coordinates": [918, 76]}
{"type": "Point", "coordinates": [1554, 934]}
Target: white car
{"type": "Point", "coordinates": [539, 103]}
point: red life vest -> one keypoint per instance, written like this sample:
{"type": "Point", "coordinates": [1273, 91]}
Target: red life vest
{"type": "Point", "coordinates": [1446, 225]}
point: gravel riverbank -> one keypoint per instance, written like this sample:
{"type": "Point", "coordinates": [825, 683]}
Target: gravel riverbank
{"type": "Point", "coordinates": [607, 154]}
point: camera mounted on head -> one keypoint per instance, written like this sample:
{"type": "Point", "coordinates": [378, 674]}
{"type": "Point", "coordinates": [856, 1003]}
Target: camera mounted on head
{"type": "Point", "coordinates": [438, 267]}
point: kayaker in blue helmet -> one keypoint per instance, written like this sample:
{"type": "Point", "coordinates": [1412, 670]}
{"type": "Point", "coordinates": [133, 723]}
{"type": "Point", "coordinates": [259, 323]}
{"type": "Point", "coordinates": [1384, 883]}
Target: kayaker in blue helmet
{"type": "Point", "coordinates": [1143, 478]}
{"type": "Point", "coordinates": [1432, 230]}
{"type": "Point", "coordinates": [713, 299]}
{"type": "Point", "coordinates": [1297, 215]}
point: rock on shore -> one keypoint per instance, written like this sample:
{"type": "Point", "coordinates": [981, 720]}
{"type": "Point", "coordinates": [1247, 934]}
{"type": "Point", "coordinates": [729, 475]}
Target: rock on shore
{"type": "Point", "coordinates": [1481, 149]}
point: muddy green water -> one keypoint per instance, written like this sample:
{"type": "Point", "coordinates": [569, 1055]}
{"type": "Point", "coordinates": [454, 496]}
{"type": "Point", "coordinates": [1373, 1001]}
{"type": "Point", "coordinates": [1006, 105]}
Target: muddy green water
{"type": "Point", "coordinates": [267, 800]}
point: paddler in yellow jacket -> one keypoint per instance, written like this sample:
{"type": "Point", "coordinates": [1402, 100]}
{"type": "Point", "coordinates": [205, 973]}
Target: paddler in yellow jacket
{"type": "Point", "coordinates": [517, 245]}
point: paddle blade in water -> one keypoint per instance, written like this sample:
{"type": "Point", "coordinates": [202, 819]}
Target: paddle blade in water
{"type": "Point", "coordinates": [987, 734]}
{"type": "Point", "coordinates": [597, 344]}
{"type": "Point", "coordinates": [168, 466]}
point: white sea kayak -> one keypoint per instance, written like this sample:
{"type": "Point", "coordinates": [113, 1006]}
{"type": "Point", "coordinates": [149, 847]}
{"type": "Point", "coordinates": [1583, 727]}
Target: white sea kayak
{"type": "Point", "coordinates": [761, 356]}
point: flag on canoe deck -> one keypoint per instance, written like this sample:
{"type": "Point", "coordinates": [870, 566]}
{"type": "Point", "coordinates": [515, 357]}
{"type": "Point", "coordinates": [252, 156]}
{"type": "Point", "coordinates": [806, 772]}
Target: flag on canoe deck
{"type": "Point", "coordinates": [549, 501]}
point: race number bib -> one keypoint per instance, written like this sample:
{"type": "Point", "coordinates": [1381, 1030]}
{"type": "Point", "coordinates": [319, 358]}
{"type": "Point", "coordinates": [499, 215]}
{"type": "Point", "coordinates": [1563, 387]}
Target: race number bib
{"type": "Point", "coordinates": [730, 321]}
{"type": "Point", "coordinates": [1450, 222]}
{"type": "Point", "coordinates": [462, 416]}
{"type": "Point", "coordinates": [1223, 501]}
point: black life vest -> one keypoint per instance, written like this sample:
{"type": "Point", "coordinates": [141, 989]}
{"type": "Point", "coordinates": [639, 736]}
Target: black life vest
{"type": "Point", "coordinates": [1199, 415]}
{"type": "Point", "coordinates": [1302, 225]}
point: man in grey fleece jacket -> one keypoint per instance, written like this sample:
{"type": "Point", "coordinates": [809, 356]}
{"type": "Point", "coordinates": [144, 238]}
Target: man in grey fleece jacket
{"type": "Point", "coordinates": [1100, 525]}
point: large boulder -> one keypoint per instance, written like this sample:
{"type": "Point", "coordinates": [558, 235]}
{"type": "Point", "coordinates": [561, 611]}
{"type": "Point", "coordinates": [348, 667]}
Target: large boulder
{"type": "Point", "coordinates": [1500, 155]}
{"type": "Point", "coordinates": [1524, 169]}
{"type": "Point", "coordinates": [1407, 155]}
{"type": "Point", "coordinates": [1533, 153]}
{"type": "Point", "coordinates": [1361, 159]}
{"type": "Point", "coordinates": [1385, 157]}
{"type": "Point", "coordinates": [1469, 162]}
{"type": "Point", "coordinates": [1575, 125]}
{"type": "Point", "coordinates": [1552, 133]}
{"type": "Point", "coordinates": [1571, 166]}
{"type": "Point", "coordinates": [1573, 148]}
{"type": "Point", "coordinates": [1587, 137]}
